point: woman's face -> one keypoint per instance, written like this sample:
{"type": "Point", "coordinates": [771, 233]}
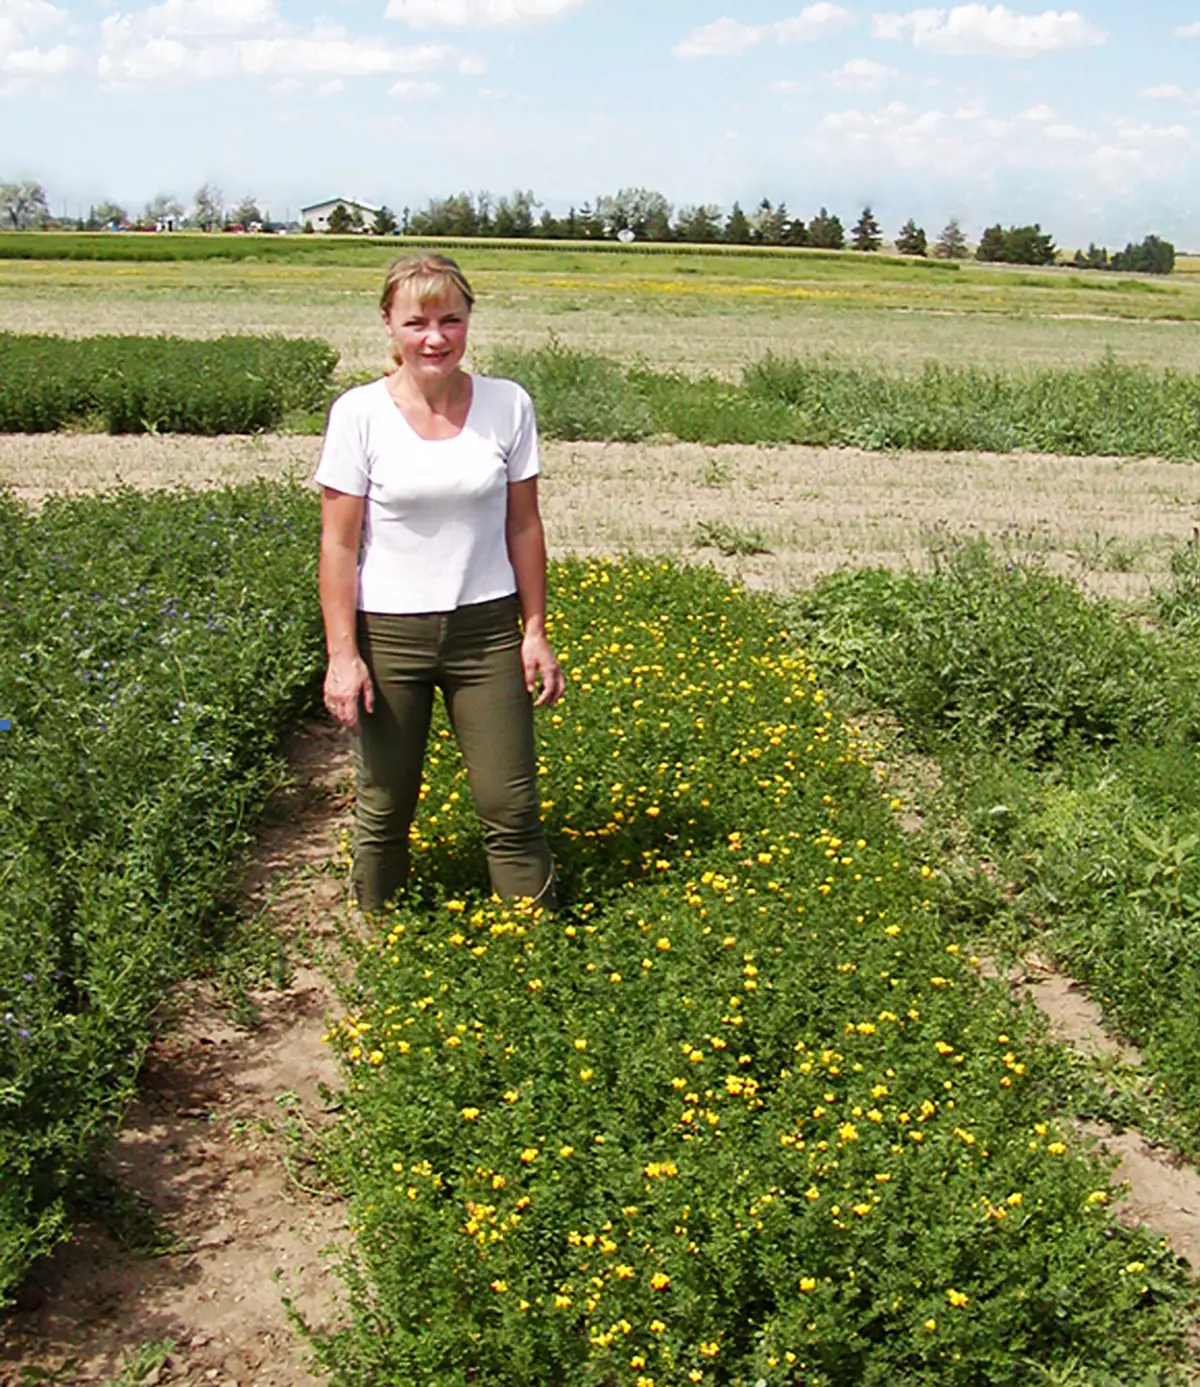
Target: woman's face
{"type": "Point", "coordinates": [428, 339]}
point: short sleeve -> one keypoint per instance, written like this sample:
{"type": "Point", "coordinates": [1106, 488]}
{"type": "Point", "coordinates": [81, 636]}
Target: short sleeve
{"type": "Point", "coordinates": [343, 464]}
{"type": "Point", "coordinates": [522, 457]}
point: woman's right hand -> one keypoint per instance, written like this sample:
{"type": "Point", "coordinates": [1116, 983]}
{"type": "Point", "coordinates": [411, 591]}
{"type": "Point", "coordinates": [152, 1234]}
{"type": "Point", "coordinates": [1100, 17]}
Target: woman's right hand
{"type": "Point", "coordinates": [346, 681]}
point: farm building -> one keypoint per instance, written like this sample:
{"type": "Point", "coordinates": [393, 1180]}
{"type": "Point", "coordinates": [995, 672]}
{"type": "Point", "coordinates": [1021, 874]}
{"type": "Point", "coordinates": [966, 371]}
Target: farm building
{"type": "Point", "coordinates": [320, 212]}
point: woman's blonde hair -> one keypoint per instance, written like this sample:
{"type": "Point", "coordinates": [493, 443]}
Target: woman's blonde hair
{"type": "Point", "coordinates": [428, 275]}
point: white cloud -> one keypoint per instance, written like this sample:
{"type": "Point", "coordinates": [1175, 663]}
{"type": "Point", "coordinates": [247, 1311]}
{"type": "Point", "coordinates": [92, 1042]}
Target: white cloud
{"type": "Point", "coordinates": [1038, 114]}
{"type": "Point", "coordinates": [729, 38]}
{"type": "Point", "coordinates": [815, 22]}
{"type": "Point", "coordinates": [980, 30]}
{"type": "Point", "coordinates": [1188, 31]}
{"type": "Point", "coordinates": [861, 74]}
{"type": "Point", "coordinates": [472, 67]}
{"type": "Point", "coordinates": [723, 38]}
{"type": "Point", "coordinates": [22, 21]}
{"type": "Point", "coordinates": [1167, 92]}
{"type": "Point", "coordinates": [40, 62]}
{"type": "Point", "coordinates": [414, 91]}
{"type": "Point", "coordinates": [478, 14]}
{"type": "Point", "coordinates": [207, 18]}
{"type": "Point", "coordinates": [208, 40]}
{"type": "Point", "coordinates": [331, 88]}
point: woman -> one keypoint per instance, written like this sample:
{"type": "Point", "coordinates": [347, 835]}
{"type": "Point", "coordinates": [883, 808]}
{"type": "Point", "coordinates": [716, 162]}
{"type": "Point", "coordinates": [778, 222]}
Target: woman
{"type": "Point", "coordinates": [432, 473]}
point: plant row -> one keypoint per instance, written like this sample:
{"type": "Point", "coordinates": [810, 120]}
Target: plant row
{"type": "Point", "coordinates": [151, 650]}
{"type": "Point", "coordinates": [744, 1110]}
{"type": "Point", "coordinates": [160, 384]}
{"type": "Point", "coordinates": [1106, 408]}
{"type": "Point", "coordinates": [1069, 739]}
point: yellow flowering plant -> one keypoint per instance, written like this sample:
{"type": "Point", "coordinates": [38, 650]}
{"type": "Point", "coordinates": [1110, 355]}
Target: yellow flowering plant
{"type": "Point", "coordinates": [802, 1134]}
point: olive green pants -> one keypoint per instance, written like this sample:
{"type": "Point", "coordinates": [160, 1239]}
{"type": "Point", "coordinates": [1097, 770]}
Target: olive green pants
{"type": "Point", "coordinates": [473, 655]}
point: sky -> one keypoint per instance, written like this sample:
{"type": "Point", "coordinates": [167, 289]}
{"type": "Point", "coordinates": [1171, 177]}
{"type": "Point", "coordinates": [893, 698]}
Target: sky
{"type": "Point", "coordinates": [1086, 121]}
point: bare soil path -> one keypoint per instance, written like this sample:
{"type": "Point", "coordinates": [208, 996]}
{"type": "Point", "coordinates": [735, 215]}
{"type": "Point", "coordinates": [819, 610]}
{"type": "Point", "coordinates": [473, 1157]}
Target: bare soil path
{"type": "Point", "coordinates": [212, 1154]}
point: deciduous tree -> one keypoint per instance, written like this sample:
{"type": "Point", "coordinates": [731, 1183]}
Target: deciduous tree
{"type": "Point", "coordinates": [209, 210]}
{"type": "Point", "coordinates": [163, 210]}
{"type": "Point", "coordinates": [109, 215]}
{"type": "Point", "coordinates": [23, 206]}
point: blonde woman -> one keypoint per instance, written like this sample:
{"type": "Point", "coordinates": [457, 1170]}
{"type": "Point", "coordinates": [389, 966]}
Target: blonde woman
{"type": "Point", "coordinates": [433, 575]}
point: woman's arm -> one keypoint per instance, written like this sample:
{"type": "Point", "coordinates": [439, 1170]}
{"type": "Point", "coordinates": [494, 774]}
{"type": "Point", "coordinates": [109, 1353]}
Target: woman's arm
{"type": "Point", "coordinates": [527, 554]}
{"type": "Point", "coordinates": [347, 678]}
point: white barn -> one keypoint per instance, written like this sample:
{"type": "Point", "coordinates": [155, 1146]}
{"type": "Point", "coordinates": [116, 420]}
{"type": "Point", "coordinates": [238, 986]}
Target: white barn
{"type": "Point", "coordinates": [320, 212]}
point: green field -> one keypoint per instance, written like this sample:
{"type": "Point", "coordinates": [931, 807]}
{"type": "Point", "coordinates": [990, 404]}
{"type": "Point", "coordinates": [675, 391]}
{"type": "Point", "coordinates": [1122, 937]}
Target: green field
{"type": "Point", "coordinates": [673, 308]}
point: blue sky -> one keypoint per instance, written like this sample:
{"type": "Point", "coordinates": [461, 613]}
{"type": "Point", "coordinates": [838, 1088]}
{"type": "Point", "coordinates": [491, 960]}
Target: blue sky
{"type": "Point", "coordinates": [1086, 120]}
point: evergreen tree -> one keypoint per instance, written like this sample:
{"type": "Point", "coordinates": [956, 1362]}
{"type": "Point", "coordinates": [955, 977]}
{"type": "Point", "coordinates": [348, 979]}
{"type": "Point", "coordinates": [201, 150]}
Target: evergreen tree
{"type": "Point", "coordinates": [385, 222]}
{"type": "Point", "coordinates": [796, 233]}
{"type": "Point", "coordinates": [825, 231]}
{"type": "Point", "coordinates": [737, 228]}
{"type": "Point", "coordinates": [911, 240]}
{"type": "Point", "coordinates": [951, 244]}
{"type": "Point", "coordinates": [339, 221]}
{"type": "Point", "coordinates": [866, 235]}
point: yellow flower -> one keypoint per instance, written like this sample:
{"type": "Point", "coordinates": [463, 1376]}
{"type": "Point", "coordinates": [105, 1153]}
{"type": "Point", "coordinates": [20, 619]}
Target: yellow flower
{"type": "Point", "coordinates": [931, 1325]}
{"type": "Point", "coordinates": [710, 1349]}
{"type": "Point", "coordinates": [663, 943]}
{"type": "Point", "coordinates": [529, 1155]}
{"type": "Point", "coordinates": [956, 1298]}
{"type": "Point", "coordinates": [1098, 1197]}
{"type": "Point", "coordinates": [1056, 1148]}
{"type": "Point", "coordinates": [499, 1286]}
{"type": "Point", "coordinates": [565, 1151]}
{"type": "Point", "coordinates": [456, 905]}
{"type": "Point", "coordinates": [470, 1114]}
{"type": "Point", "coordinates": [622, 1271]}
{"type": "Point", "coordinates": [808, 1283]}
{"type": "Point", "coordinates": [657, 1326]}
{"type": "Point", "coordinates": [660, 1281]}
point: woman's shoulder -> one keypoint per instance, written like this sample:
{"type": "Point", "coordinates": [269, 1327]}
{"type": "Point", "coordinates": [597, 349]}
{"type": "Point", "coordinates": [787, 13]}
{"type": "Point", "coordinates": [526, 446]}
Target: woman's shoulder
{"type": "Point", "coordinates": [362, 399]}
{"type": "Point", "coordinates": [497, 392]}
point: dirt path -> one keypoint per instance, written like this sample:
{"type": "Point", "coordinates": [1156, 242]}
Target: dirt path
{"type": "Point", "coordinates": [212, 1153]}
{"type": "Point", "coordinates": [1109, 522]}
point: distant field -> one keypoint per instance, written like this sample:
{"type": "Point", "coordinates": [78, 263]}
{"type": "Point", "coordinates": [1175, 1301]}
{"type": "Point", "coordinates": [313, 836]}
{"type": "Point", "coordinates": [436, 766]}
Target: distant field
{"type": "Point", "coordinates": [670, 308]}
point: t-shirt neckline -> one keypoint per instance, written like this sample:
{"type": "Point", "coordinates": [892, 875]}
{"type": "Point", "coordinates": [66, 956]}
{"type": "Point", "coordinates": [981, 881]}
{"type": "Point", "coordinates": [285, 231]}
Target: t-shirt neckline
{"type": "Point", "coordinates": [404, 418]}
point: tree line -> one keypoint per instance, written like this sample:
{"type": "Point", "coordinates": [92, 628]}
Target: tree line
{"type": "Point", "coordinates": [635, 214]}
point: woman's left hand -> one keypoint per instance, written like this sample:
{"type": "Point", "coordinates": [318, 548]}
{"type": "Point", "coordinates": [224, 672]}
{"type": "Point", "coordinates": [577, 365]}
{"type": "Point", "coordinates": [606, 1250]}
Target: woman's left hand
{"type": "Point", "coordinates": [540, 665]}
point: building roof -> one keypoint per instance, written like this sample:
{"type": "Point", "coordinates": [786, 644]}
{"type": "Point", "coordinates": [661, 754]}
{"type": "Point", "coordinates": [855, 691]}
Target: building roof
{"type": "Point", "coordinates": [346, 202]}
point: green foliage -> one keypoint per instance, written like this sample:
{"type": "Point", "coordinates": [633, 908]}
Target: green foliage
{"type": "Point", "coordinates": [1019, 245]}
{"type": "Point", "coordinates": [866, 235]}
{"type": "Point", "coordinates": [952, 243]}
{"type": "Point", "coordinates": [990, 652]}
{"type": "Point", "coordinates": [825, 231]}
{"type": "Point", "coordinates": [911, 239]}
{"type": "Point", "coordinates": [160, 384]}
{"type": "Point", "coordinates": [744, 1109]}
{"type": "Point", "coordinates": [1103, 409]}
{"type": "Point", "coordinates": [729, 539]}
{"type": "Point", "coordinates": [152, 648]}
{"type": "Point", "coordinates": [578, 394]}
{"type": "Point", "coordinates": [1153, 257]}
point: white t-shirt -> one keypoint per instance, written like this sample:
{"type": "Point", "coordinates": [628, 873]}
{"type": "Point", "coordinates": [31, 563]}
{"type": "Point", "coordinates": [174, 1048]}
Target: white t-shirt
{"type": "Point", "coordinates": [433, 524]}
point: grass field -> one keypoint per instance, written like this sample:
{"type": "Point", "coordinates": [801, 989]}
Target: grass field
{"type": "Point", "coordinates": [695, 312]}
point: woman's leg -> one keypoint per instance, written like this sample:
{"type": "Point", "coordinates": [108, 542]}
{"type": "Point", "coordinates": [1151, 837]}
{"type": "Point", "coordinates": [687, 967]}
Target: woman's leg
{"type": "Point", "coordinates": [492, 716]}
{"type": "Point", "coordinates": [400, 652]}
